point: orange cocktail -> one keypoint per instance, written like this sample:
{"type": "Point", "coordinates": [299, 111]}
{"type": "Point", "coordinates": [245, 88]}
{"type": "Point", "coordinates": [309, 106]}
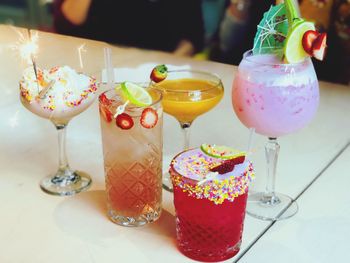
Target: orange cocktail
{"type": "Point", "coordinates": [185, 99]}
{"type": "Point", "coordinates": [186, 95]}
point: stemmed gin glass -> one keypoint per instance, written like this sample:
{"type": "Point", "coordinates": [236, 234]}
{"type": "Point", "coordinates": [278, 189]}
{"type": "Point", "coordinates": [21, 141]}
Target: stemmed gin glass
{"type": "Point", "coordinates": [186, 95]}
{"type": "Point", "coordinates": [276, 99]}
{"type": "Point", "coordinates": [58, 86]}
{"type": "Point", "coordinates": [59, 94]}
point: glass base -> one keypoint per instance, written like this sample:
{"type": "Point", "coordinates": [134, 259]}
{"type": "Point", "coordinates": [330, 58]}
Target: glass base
{"type": "Point", "coordinates": [271, 208]}
{"type": "Point", "coordinates": [210, 255]}
{"type": "Point", "coordinates": [134, 221]}
{"type": "Point", "coordinates": [66, 183]}
{"type": "Point", "coordinates": [167, 184]}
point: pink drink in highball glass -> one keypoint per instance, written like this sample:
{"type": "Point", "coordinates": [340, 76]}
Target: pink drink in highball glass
{"type": "Point", "coordinates": [132, 152]}
{"type": "Point", "coordinates": [275, 98]}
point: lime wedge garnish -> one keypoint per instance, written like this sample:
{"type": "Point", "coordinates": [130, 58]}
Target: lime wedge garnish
{"type": "Point", "coordinates": [222, 152]}
{"type": "Point", "coordinates": [136, 94]}
{"type": "Point", "coordinates": [293, 49]}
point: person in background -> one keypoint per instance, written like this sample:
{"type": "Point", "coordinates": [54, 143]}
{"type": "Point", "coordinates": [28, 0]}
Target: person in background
{"type": "Point", "coordinates": [213, 11]}
{"type": "Point", "coordinates": [167, 25]}
{"type": "Point", "coordinates": [237, 29]}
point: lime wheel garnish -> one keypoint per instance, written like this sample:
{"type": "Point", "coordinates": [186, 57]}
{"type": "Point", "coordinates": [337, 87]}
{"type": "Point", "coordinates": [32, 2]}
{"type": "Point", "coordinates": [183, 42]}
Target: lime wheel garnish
{"type": "Point", "coordinates": [135, 94]}
{"type": "Point", "coordinates": [294, 51]}
{"type": "Point", "coordinates": [222, 152]}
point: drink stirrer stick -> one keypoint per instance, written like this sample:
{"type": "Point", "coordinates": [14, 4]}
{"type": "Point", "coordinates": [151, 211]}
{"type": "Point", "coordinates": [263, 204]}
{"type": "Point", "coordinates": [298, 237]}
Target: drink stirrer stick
{"type": "Point", "coordinates": [109, 67]}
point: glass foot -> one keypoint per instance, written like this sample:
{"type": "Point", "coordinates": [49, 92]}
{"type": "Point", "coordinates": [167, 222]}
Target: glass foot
{"type": "Point", "coordinates": [271, 208]}
{"type": "Point", "coordinates": [167, 184]}
{"type": "Point", "coordinates": [66, 184]}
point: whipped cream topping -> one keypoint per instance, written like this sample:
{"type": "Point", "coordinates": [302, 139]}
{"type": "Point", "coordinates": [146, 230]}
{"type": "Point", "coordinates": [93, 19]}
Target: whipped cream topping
{"type": "Point", "coordinates": [57, 88]}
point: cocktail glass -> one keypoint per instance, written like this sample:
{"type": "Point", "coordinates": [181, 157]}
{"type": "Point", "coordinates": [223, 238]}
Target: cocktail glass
{"type": "Point", "coordinates": [132, 161]}
{"type": "Point", "coordinates": [65, 181]}
{"type": "Point", "coordinates": [276, 99]}
{"type": "Point", "coordinates": [186, 95]}
{"type": "Point", "coordinates": [209, 216]}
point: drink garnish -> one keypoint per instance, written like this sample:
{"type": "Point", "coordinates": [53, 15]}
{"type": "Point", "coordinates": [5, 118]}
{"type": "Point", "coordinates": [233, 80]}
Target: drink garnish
{"type": "Point", "coordinates": [149, 118]}
{"type": "Point", "coordinates": [120, 109]}
{"type": "Point", "coordinates": [103, 108]}
{"type": "Point", "coordinates": [295, 50]}
{"type": "Point", "coordinates": [136, 94]}
{"type": "Point", "coordinates": [308, 40]}
{"type": "Point", "coordinates": [223, 168]}
{"type": "Point", "coordinates": [104, 100]}
{"type": "Point", "coordinates": [106, 113]}
{"type": "Point", "coordinates": [228, 165]}
{"type": "Point", "coordinates": [191, 171]}
{"type": "Point", "coordinates": [222, 152]}
{"type": "Point", "coordinates": [282, 27]}
{"type": "Point", "coordinates": [159, 73]}
{"type": "Point", "coordinates": [59, 88]}
{"type": "Point", "coordinates": [272, 30]}
{"type": "Point", "coordinates": [124, 121]}
{"type": "Point", "coordinates": [42, 93]}
{"type": "Point", "coordinates": [319, 46]}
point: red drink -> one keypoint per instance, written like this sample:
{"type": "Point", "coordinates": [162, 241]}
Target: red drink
{"type": "Point", "coordinates": [209, 228]}
{"type": "Point", "coordinates": [209, 232]}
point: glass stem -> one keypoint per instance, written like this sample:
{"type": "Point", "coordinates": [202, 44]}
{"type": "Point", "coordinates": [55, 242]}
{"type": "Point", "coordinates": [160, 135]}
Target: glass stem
{"type": "Point", "coordinates": [63, 165]}
{"type": "Point", "coordinates": [185, 126]}
{"type": "Point", "coordinates": [272, 149]}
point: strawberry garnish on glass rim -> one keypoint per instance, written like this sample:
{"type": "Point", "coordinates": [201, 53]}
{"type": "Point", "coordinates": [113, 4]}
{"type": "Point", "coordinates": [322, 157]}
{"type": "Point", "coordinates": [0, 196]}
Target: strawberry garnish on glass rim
{"type": "Point", "coordinates": [302, 37]}
{"type": "Point", "coordinates": [319, 46]}
{"type": "Point", "coordinates": [104, 100]}
{"type": "Point", "coordinates": [106, 113]}
{"type": "Point", "coordinates": [308, 40]}
{"type": "Point", "coordinates": [149, 118]}
{"type": "Point", "coordinates": [124, 121]}
{"type": "Point", "coordinates": [159, 73]}
{"type": "Point", "coordinates": [314, 43]}
{"type": "Point", "coordinates": [103, 108]}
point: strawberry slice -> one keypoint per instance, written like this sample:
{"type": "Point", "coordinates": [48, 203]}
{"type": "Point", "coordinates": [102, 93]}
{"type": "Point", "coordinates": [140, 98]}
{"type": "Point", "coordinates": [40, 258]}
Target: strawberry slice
{"type": "Point", "coordinates": [308, 40]}
{"type": "Point", "coordinates": [159, 73]}
{"type": "Point", "coordinates": [149, 118]}
{"type": "Point", "coordinates": [319, 46]}
{"type": "Point", "coordinates": [124, 121]}
{"type": "Point", "coordinates": [228, 165]}
{"type": "Point", "coordinates": [104, 100]}
{"type": "Point", "coordinates": [106, 113]}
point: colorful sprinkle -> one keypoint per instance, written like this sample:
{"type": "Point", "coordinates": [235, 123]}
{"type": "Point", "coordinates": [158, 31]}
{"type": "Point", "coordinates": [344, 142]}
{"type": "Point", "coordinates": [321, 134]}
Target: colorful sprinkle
{"type": "Point", "coordinates": [191, 167]}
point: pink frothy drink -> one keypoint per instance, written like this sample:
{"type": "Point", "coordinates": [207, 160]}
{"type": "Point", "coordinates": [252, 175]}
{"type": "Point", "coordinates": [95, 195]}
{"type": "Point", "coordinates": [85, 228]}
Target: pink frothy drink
{"type": "Point", "coordinates": [272, 97]}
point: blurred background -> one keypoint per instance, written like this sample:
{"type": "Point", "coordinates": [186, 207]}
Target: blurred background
{"type": "Point", "coordinates": [218, 30]}
{"type": "Point", "coordinates": [27, 13]}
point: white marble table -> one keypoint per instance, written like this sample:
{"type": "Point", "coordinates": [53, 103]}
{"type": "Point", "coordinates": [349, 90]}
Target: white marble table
{"type": "Point", "coordinates": [320, 231]}
{"type": "Point", "coordinates": [36, 227]}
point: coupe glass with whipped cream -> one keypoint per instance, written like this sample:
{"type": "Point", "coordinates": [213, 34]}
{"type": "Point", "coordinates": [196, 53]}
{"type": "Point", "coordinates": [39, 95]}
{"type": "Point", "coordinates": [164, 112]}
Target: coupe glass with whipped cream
{"type": "Point", "coordinates": [59, 94]}
{"type": "Point", "coordinates": [210, 195]}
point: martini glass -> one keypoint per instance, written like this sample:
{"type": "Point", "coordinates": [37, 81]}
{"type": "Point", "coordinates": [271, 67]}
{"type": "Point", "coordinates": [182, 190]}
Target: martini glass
{"type": "Point", "coordinates": [276, 99]}
{"type": "Point", "coordinates": [65, 181]}
{"type": "Point", "coordinates": [186, 95]}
